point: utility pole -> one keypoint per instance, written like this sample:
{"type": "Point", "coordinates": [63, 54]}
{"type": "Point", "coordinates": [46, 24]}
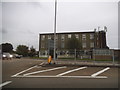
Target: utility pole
{"type": "Point", "coordinates": [55, 30]}
{"type": "Point", "coordinates": [113, 56]}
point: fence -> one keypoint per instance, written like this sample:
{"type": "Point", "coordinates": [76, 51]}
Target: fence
{"type": "Point", "coordinates": [94, 55]}
{"type": "Point", "coordinates": [76, 54]}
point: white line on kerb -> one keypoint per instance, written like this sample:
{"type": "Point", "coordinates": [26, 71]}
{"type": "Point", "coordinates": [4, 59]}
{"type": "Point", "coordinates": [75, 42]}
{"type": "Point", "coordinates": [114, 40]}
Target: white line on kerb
{"type": "Point", "coordinates": [71, 71]}
{"type": "Point", "coordinates": [44, 70]}
{"type": "Point", "coordinates": [95, 74]}
{"type": "Point", "coordinates": [5, 83]}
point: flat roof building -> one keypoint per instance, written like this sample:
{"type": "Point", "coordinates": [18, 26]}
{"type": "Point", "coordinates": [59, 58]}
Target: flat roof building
{"type": "Point", "coordinates": [88, 40]}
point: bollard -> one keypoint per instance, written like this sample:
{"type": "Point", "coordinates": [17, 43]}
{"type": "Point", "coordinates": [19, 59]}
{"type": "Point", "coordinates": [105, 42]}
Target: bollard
{"type": "Point", "coordinates": [49, 59]}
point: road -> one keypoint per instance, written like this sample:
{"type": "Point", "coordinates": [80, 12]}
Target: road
{"type": "Point", "coordinates": [33, 73]}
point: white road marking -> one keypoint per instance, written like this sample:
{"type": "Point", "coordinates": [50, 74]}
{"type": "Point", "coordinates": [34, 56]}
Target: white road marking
{"type": "Point", "coordinates": [44, 70]}
{"type": "Point", "coordinates": [27, 69]}
{"type": "Point", "coordinates": [24, 71]}
{"type": "Point", "coordinates": [36, 76]}
{"type": "Point", "coordinates": [5, 83]}
{"type": "Point", "coordinates": [84, 76]}
{"type": "Point", "coordinates": [41, 63]}
{"type": "Point", "coordinates": [38, 67]}
{"type": "Point", "coordinates": [95, 74]}
{"type": "Point", "coordinates": [71, 71]}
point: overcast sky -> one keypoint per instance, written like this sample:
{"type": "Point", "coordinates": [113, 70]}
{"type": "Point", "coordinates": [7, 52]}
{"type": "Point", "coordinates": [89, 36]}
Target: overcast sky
{"type": "Point", "coordinates": [23, 21]}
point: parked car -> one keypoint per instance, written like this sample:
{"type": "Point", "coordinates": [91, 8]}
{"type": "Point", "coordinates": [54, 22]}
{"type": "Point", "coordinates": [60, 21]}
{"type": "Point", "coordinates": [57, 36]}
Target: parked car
{"type": "Point", "coordinates": [7, 56]}
{"type": "Point", "coordinates": [17, 56]}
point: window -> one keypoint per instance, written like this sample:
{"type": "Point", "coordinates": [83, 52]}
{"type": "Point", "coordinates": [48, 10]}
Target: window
{"type": "Point", "coordinates": [92, 45]}
{"type": "Point", "coordinates": [43, 37]}
{"type": "Point", "coordinates": [84, 45]}
{"type": "Point", "coordinates": [42, 45]}
{"type": "Point", "coordinates": [97, 43]}
{"type": "Point", "coordinates": [97, 38]}
{"type": "Point", "coordinates": [62, 45]}
{"type": "Point", "coordinates": [49, 36]}
{"type": "Point", "coordinates": [76, 35]}
{"type": "Point", "coordinates": [83, 36]}
{"type": "Point", "coordinates": [91, 36]}
{"type": "Point", "coordinates": [62, 37]}
{"type": "Point", "coordinates": [69, 35]}
{"type": "Point", "coordinates": [56, 37]}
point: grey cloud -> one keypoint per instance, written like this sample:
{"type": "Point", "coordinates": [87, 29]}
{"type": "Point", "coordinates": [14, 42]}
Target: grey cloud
{"type": "Point", "coordinates": [4, 31]}
{"type": "Point", "coordinates": [27, 32]}
{"type": "Point", "coordinates": [30, 32]}
{"type": "Point", "coordinates": [24, 21]}
{"type": "Point", "coordinates": [34, 4]}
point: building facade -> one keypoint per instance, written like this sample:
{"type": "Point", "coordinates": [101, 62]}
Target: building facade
{"type": "Point", "coordinates": [88, 41]}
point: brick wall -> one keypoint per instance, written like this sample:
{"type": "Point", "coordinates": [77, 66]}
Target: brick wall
{"type": "Point", "coordinates": [103, 57]}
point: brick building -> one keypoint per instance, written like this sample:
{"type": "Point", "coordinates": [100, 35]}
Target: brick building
{"type": "Point", "coordinates": [88, 40]}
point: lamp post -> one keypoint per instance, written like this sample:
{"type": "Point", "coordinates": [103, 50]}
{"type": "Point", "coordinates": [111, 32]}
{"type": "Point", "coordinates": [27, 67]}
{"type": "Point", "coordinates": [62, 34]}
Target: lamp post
{"type": "Point", "coordinates": [55, 30]}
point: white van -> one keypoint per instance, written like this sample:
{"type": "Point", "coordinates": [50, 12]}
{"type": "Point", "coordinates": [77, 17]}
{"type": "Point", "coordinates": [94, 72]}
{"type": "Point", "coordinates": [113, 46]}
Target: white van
{"type": "Point", "coordinates": [7, 56]}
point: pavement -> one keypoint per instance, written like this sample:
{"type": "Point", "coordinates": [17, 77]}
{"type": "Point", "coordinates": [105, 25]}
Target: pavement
{"type": "Point", "coordinates": [85, 63]}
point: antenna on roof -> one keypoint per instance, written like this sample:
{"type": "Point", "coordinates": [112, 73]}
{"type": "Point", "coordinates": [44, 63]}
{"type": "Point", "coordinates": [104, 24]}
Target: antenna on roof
{"type": "Point", "coordinates": [98, 28]}
{"type": "Point", "coordinates": [94, 29]}
{"type": "Point", "coordinates": [105, 28]}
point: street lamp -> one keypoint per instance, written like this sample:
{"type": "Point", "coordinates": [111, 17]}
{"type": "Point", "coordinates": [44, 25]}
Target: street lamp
{"type": "Point", "coordinates": [55, 19]}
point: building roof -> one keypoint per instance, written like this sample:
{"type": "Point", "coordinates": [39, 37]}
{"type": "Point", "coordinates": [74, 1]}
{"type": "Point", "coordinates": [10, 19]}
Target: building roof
{"type": "Point", "coordinates": [68, 32]}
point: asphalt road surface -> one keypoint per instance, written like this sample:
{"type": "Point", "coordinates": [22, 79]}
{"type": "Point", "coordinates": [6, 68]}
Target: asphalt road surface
{"type": "Point", "coordinates": [33, 73]}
